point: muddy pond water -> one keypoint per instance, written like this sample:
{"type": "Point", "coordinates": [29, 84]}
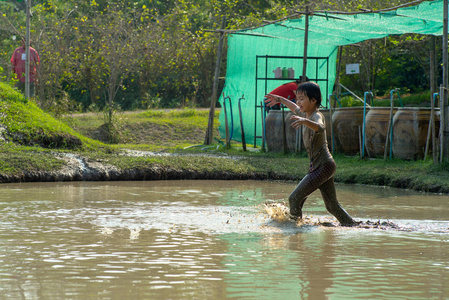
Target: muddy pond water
{"type": "Point", "coordinates": [214, 240]}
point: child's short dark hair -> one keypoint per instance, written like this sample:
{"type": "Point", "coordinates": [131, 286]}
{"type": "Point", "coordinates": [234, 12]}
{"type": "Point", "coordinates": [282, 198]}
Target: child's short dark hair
{"type": "Point", "coordinates": [312, 90]}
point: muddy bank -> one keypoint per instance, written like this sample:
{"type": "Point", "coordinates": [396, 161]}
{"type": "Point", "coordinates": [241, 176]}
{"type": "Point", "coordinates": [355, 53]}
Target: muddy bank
{"type": "Point", "coordinates": [78, 168]}
{"type": "Point", "coordinates": [82, 169]}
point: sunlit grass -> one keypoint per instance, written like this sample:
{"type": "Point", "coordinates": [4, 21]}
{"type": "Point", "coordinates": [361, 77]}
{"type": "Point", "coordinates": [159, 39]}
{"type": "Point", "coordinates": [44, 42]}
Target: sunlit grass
{"type": "Point", "coordinates": [182, 132]}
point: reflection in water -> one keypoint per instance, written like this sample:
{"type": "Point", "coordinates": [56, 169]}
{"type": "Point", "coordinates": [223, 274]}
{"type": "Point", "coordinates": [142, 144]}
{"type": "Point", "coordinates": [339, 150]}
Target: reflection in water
{"type": "Point", "coordinates": [213, 239]}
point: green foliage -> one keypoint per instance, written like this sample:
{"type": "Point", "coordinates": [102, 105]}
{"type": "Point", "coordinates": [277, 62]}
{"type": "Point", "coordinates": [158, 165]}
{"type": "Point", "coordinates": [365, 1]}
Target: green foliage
{"type": "Point", "coordinates": [24, 123]}
{"type": "Point", "coordinates": [9, 94]}
{"type": "Point", "coordinates": [155, 54]}
{"type": "Point", "coordinates": [414, 100]}
{"type": "Point", "coordinates": [393, 62]}
{"type": "Point", "coordinates": [349, 101]}
{"type": "Point", "coordinates": [409, 100]}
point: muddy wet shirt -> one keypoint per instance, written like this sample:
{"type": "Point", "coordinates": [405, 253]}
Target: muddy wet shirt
{"type": "Point", "coordinates": [315, 141]}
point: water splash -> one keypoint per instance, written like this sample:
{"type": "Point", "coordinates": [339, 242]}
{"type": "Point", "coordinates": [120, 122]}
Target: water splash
{"type": "Point", "coordinates": [277, 211]}
{"type": "Point", "coordinates": [280, 212]}
{"type": "Point", "coordinates": [134, 233]}
{"type": "Point", "coordinates": [106, 231]}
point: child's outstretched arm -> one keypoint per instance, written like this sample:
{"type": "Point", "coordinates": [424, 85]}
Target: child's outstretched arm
{"type": "Point", "coordinates": [275, 99]}
{"type": "Point", "coordinates": [298, 121]}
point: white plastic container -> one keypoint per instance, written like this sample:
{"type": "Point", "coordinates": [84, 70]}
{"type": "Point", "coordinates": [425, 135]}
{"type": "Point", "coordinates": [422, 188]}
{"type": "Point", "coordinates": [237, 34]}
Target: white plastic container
{"type": "Point", "coordinates": [291, 73]}
{"type": "Point", "coordinates": [277, 72]}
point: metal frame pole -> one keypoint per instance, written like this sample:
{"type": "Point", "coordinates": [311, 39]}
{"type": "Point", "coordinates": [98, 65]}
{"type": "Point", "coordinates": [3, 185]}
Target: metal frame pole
{"type": "Point", "coordinates": [444, 125]}
{"type": "Point", "coordinates": [27, 50]}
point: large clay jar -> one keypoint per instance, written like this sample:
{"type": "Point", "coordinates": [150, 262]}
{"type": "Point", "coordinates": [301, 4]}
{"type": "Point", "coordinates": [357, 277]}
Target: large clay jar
{"type": "Point", "coordinates": [346, 122]}
{"type": "Point", "coordinates": [327, 122]}
{"type": "Point", "coordinates": [410, 127]}
{"type": "Point", "coordinates": [376, 128]}
{"type": "Point", "coordinates": [273, 131]}
{"type": "Point", "coordinates": [292, 134]}
{"type": "Point", "coordinates": [274, 136]}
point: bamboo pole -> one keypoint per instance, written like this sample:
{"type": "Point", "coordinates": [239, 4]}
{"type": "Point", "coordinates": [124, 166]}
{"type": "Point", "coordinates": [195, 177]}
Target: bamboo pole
{"type": "Point", "coordinates": [318, 13]}
{"type": "Point", "coordinates": [306, 41]}
{"type": "Point", "coordinates": [372, 11]}
{"type": "Point", "coordinates": [210, 127]}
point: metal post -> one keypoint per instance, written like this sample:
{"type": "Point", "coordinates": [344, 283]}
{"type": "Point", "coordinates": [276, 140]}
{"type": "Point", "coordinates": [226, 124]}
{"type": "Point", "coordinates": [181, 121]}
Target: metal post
{"type": "Point", "coordinates": [27, 50]}
{"type": "Point", "coordinates": [444, 125]}
{"type": "Point", "coordinates": [241, 124]}
{"type": "Point", "coordinates": [388, 139]}
{"type": "Point", "coordinates": [331, 126]}
{"type": "Point", "coordinates": [364, 123]}
{"type": "Point", "coordinates": [430, 129]}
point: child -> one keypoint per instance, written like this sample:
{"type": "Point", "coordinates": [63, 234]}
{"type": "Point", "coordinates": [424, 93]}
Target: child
{"type": "Point", "coordinates": [322, 165]}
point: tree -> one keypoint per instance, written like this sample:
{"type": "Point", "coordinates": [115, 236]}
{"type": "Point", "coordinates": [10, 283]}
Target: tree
{"type": "Point", "coordinates": [122, 52]}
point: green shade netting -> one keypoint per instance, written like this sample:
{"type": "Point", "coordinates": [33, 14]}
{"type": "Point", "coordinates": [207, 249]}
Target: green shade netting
{"type": "Point", "coordinates": [285, 39]}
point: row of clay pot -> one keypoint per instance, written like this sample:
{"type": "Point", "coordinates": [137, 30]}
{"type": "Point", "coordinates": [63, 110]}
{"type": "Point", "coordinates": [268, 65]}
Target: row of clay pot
{"type": "Point", "coordinates": [409, 130]}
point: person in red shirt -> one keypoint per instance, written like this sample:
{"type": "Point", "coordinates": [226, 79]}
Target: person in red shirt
{"type": "Point", "coordinates": [287, 90]}
{"type": "Point", "coordinates": [18, 60]}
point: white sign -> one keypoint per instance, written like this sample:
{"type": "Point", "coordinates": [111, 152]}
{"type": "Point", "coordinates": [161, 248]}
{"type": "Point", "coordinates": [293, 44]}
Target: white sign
{"type": "Point", "coordinates": [352, 69]}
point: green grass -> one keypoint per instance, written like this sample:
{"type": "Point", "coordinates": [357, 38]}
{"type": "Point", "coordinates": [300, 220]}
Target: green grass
{"type": "Point", "coordinates": [35, 136]}
{"type": "Point", "coordinates": [154, 130]}
{"type": "Point", "coordinates": [413, 100]}
{"type": "Point", "coordinates": [15, 160]}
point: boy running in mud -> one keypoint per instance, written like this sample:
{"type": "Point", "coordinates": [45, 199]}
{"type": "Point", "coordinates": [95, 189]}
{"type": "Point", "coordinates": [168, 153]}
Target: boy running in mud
{"type": "Point", "coordinates": [322, 165]}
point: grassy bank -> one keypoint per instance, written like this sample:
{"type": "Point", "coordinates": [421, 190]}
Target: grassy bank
{"type": "Point", "coordinates": [33, 140]}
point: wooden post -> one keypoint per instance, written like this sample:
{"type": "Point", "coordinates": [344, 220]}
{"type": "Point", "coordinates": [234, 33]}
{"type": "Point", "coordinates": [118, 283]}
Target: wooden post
{"type": "Point", "coordinates": [210, 127]}
{"type": "Point", "coordinates": [432, 66]}
{"type": "Point", "coordinates": [241, 125]}
{"type": "Point", "coordinates": [306, 41]}
{"type": "Point", "coordinates": [228, 139]}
